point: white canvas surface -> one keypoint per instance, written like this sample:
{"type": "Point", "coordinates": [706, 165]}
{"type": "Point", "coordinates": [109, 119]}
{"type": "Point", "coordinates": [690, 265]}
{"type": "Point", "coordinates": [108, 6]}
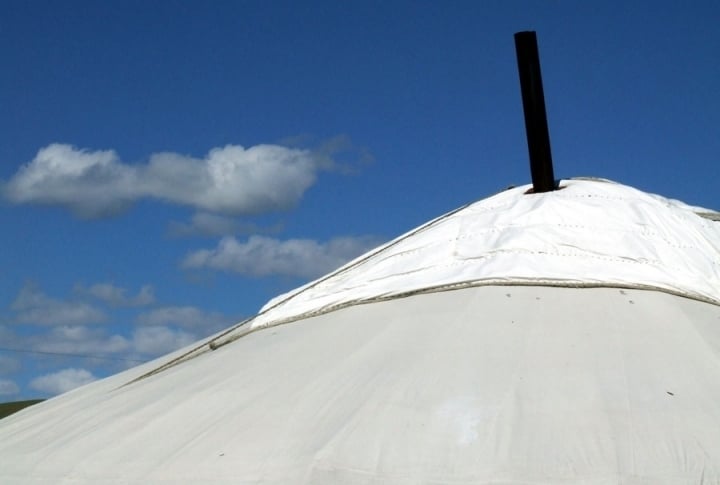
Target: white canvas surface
{"type": "Point", "coordinates": [501, 385]}
{"type": "Point", "coordinates": [592, 232]}
{"type": "Point", "coordinates": [566, 337]}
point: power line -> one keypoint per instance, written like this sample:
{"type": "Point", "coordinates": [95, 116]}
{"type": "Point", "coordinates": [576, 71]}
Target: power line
{"type": "Point", "coordinates": [81, 356]}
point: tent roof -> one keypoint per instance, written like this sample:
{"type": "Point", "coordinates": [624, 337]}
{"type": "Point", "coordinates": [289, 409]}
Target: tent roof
{"type": "Point", "coordinates": [591, 232]}
{"type": "Point", "coordinates": [549, 362]}
{"type": "Point", "coordinates": [501, 385]}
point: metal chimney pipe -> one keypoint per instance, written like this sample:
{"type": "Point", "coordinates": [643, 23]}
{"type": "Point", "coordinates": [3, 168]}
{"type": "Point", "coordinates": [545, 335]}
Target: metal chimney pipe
{"type": "Point", "coordinates": [536, 126]}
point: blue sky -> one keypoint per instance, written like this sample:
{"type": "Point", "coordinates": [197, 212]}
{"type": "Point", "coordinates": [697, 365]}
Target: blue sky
{"type": "Point", "coordinates": [167, 167]}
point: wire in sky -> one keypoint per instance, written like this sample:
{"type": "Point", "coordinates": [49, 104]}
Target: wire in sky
{"type": "Point", "coordinates": [81, 356]}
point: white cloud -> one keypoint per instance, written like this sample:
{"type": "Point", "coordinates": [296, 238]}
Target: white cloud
{"type": "Point", "coordinates": [62, 381]}
{"type": "Point", "coordinates": [34, 307]}
{"type": "Point", "coordinates": [95, 345]}
{"type": "Point", "coordinates": [8, 387]}
{"type": "Point", "coordinates": [82, 340]}
{"type": "Point", "coordinates": [158, 334]}
{"type": "Point", "coordinates": [8, 365]}
{"type": "Point", "coordinates": [117, 296]}
{"type": "Point", "coordinates": [184, 316]}
{"type": "Point", "coordinates": [158, 340]}
{"type": "Point", "coordinates": [338, 151]}
{"type": "Point", "coordinates": [263, 256]}
{"type": "Point", "coordinates": [230, 179]}
{"type": "Point", "coordinates": [207, 224]}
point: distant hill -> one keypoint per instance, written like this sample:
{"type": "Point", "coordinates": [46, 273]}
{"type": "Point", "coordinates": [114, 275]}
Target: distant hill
{"type": "Point", "coordinates": [8, 408]}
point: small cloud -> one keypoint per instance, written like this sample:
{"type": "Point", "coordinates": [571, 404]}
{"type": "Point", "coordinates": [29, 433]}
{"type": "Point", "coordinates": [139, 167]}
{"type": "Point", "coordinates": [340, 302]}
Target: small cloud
{"type": "Point", "coordinates": [184, 316]}
{"type": "Point", "coordinates": [207, 224]}
{"type": "Point", "coordinates": [62, 381]}
{"type": "Point", "coordinates": [230, 179]}
{"type": "Point", "coordinates": [339, 152]}
{"type": "Point", "coordinates": [146, 296]}
{"type": "Point", "coordinates": [8, 387]}
{"type": "Point", "coordinates": [158, 340]}
{"type": "Point", "coordinates": [264, 256]}
{"type": "Point", "coordinates": [345, 156]}
{"type": "Point", "coordinates": [32, 306]}
{"type": "Point", "coordinates": [117, 296]}
{"type": "Point", "coordinates": [82, 341]}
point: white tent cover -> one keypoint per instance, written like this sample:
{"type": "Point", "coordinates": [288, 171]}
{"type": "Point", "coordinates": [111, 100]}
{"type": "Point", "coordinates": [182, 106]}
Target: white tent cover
{"type": "Point", "coordinates": [580, 344]}
{"type": "Point", "coordinates": [591, 232]}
